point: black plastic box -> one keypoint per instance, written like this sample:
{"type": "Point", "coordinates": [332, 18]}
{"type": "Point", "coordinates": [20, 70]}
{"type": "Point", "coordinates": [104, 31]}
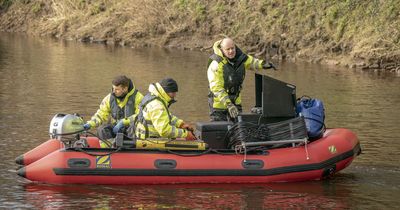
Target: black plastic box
{"type": "Point", "coordinates": [213, 133]}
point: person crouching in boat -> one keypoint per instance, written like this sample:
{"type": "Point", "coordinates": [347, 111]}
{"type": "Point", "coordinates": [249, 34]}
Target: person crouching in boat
{"type": "Point", "coordinates": [117, 109]}
{"type": "Point", "coordinates": [154, 119]}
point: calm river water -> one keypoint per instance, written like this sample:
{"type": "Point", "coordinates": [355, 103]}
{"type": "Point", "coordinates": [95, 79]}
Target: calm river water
{"type": "Point", "coordinates": [42, 77]}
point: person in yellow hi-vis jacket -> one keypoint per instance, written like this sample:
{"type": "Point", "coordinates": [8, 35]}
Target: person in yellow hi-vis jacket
{"type": "Point", "coordinates": [154, 119]}
{"type": "Point", "coordinates": [117, 109]}
{"type": "Point", "coordinates": [226, 73]}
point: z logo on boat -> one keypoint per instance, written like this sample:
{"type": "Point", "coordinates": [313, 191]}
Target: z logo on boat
{"type": "Point", "coordinates": [103, 161]}
{"type": "Point", "coordinates": [332, 149]}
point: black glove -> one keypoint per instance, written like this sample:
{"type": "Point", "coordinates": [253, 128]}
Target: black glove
{"type": "Point", "coordinates": [233, 110]}
{"type": "Point", "coordinates": [268, 65]}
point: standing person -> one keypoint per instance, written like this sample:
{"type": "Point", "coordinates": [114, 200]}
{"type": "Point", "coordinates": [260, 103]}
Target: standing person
{"type": "Point", "coordinates": [154, 119]}
{"type": "Point", "coordinates": [226, 73]}
{"type": "Point", "coordinates": [117, 109]}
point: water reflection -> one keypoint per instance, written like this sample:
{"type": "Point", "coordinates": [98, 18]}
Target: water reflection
{"type": "Point", "coordinates": [41, 77]}
{"type": "Point", "coordinates": [314, 195]}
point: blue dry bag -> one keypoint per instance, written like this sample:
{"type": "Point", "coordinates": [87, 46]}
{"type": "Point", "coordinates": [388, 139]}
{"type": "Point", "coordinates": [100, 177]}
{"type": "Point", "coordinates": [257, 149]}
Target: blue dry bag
{"type": "Point", "coordinates": [314, 115]}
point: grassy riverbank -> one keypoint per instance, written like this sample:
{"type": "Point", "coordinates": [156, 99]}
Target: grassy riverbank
{"type": "Point", "coordinates": [356, 33]}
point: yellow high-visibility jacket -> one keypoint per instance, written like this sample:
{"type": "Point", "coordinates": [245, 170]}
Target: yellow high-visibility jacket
{"type": "Point", "coordinates": [154, 119]}
{"type": "Point", "coordinates": [116, 109]}
{"type": "Point", "coordinates": [226, 78]}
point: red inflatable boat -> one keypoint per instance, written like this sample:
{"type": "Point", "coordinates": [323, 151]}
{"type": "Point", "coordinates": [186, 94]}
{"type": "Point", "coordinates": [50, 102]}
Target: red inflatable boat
{"type": "Point", "coordinates": [316, 160]}
{"type": "Point", "coordinates": [271, 144]}
{"type": "Point", "coordinates": [48, 147]}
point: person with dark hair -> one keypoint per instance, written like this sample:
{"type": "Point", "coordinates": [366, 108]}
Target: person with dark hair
{"type": "Point", "coordinates": [226, 73]}
{"type": "Point", "coordinates": [117, 109]}
{"type": "Point", "coordinates": [154, 119]}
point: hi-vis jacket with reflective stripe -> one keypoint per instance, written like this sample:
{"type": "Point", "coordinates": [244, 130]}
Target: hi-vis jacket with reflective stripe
{"type": "Point", "coordinates": [226, 78]}
{"type": "Point", "coordinates": [156, 116]}
{"type": "Point", "coordinates": [118, 109]}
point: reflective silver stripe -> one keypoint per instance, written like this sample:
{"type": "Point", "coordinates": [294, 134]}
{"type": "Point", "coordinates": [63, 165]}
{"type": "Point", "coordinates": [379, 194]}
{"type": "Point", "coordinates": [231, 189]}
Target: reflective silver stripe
{"type": "Point", "coordinates": [180, 133]}
{"type": "Point", "coordinates": [257, 64]}
{"type": "Point", "coordinates": [254, 63]}
{"type": "Point", "coordinates": [173, 132]}
{"type": "Point", "coordinates": [125, 110]}
{"type": "Point", "coordinates": [224, 99]}
{"type": "Point", "coordinates": [217, 94]}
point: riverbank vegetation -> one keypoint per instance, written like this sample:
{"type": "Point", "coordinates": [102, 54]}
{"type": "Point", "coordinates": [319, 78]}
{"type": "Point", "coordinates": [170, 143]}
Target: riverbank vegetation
{"type": "Point", "coordinates": [356, 33]}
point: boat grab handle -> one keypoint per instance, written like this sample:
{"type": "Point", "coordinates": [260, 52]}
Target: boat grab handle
{"type": "Point", "coordinates": [253, 164]}
{"type": "Point", "coordinates": [78, 163]}
{"type": "Point", "coordinates": [165, 163]}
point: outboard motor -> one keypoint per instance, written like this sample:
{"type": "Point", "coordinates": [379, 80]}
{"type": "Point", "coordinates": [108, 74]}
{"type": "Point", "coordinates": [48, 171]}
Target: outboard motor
{"type": "Point", "coordinates": [65, 124]}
